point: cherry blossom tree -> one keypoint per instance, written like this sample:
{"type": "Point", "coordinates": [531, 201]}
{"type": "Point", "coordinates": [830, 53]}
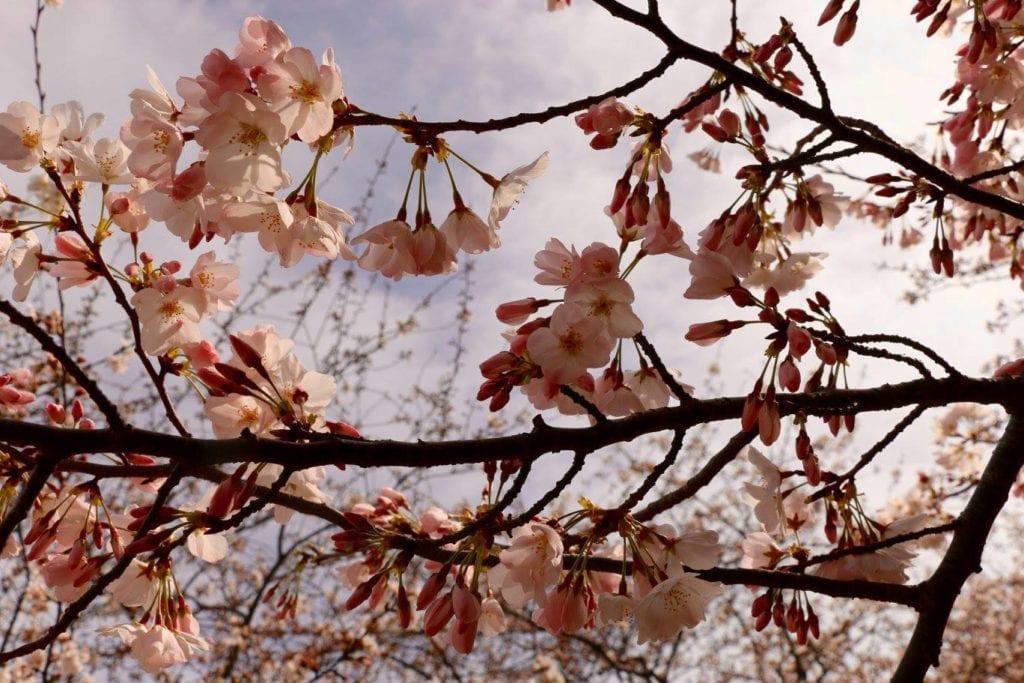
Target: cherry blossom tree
{"type": "Point", "coordinates": [197, 511]}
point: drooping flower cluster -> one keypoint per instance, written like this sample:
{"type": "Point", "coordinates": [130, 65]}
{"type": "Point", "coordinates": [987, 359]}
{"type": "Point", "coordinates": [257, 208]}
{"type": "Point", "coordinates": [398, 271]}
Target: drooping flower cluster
{"type": "Point", "coordinates": [786, 514]}
{"type": "Point", "coordinates": [459, 596]}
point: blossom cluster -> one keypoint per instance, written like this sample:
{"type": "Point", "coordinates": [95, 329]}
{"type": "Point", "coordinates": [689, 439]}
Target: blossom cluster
{"type": "Point", "coordinates": [463, 597]}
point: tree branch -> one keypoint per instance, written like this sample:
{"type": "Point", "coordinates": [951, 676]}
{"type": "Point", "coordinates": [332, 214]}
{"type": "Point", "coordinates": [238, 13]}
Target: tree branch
{"type": "Point", "coordinates": [332, 450]}
{"type": "Point", "coordinates": [963, 557]}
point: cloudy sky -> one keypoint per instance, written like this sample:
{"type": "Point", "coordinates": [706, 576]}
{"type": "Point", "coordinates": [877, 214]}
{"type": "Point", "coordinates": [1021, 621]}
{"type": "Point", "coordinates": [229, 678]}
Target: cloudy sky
{"type": "Point", "coordinates": [477, 60]}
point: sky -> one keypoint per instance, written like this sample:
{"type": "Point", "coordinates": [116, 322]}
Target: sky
{"type": "Point", "coordinates": [449, 59]}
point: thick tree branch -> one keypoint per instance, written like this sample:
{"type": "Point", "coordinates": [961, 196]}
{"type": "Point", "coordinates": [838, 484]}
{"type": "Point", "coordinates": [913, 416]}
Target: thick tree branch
{"type": "Point", "coordinates": [544, 439]}
{"type": "Point", "coordinates": [963, 557]}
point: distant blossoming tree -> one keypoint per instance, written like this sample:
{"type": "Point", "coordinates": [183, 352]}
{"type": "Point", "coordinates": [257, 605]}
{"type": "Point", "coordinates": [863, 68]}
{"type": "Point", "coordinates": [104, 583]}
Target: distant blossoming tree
{"type": "Point", "coordinates": [133, 504]}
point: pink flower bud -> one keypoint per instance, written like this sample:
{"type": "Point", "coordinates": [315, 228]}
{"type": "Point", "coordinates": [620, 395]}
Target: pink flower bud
{"type": "Point", "coordinates": [799, 339]}
{"type": "Point", "coordinates": [56, 413]}
{"type": "Point", "coordinates": [431, 587]}
{"type": "Point", "coordinates": [516, 312]}
{"type": "Point", "coordinates": [751, 411]}
{"type": "Point", "coordinates": [119, 206]}
{"type": "Point", "coordinates": [717, 134]}
{"type": "Point", "coordinates": [403, 607]}
{"type": "Point", "coordinates": [463, 636]}
{"type": "Point", "coordinates": [362, 591]}
{"type": "Point", "coordinates": [730, 123]}
{"type": "Point", "coordinates": [768, 422]}
{"type": "Point", "coordinates": [620, 195]}
{"type": "Point", "coordinates": [847, 25]}
{"type": "Point", "coordinates": [708, 333]}
{"type": "Point", "coordinates": [438, 615]}
{"type": "Point", "coordinates": [827, 353]}
{"type": "Point", "coordinates": [830, 11]}
{"type": "Point", "coordinates": [165, 284]}
{"type": "Point", "coordinates": [789, 375]}
{"type": "Point", "coordinates": [465, 605]}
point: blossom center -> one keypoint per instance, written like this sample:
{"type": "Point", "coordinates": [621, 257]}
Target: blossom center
{"type": "Point", "coordinates": [30, 138]}
{"type": "Point", "coordinates": [571, 342]}
{"type": "Point", "coordinates": [306, 92]}
{"type": "Point", "coordinates": [171, 309]}
{"type": "Point", "coordinates": [161, 140]}
{"type": "Point", "coordinates": [249, 136]}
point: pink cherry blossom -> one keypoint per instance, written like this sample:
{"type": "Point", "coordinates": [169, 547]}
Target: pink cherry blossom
{"type": "Point", "coordinates": [269, 217]}
{"type": "Point", "coordinates": [271, 347]}
{"type": "Point", "coordinates": [573, 342]}
{"type": "Point", "coordinates": [302, 92]}
{"type": "Point", "coordinates": [156, 648]}
{"type": "Point", "coordinates": [650, 388]}
{"type": "Point", "coordinates": [759, 551]}
{"type": "Point", "coordinates": [433, 520]}
{"type": "Point", "coordinates": [766, 497]}
{"type": "Point", "coordinates": [302, 484]}
{"type": "Point", "coordinates": [609, 300]}
{"type": "Point", "coordinates": [466, 231]}
{"type": "Point", "coordinates": [671, 550]}
{"type": "Point", "coordinates": [557, 264]}
{"type": "Point", "coordinates": [531, 563]}
{"type": "Point", "coordinates": [61, 575]}
{"type": "Point", "coordinates": [125, 209]}
{"type": "Point", "coordinates": [155, 145]}
{"type": "Point", "coordinates": [608, 117]}
{"type": "Point", "coordinates": [169, 319]}
{"type": "Point", "coordinates": [217, 281]}
{"type": "Point", "coordinates": [787, 275]}
{"type": "Point", "coordinates": [230, 414]}
{"type": "Point", "coordinates": [190, 220]}
{"type": "Point", "coordinates": [817, 201]}
{"type": "Point", "coordinates": [665, 238]}
{"type": "Point", "coordinates": [390, 249]}
{"type": "Point", "coordinates": [319, 235]}
{"type": "Point", "coordinates": [207, 547]}
{"type": "Point", "coordinates": [260, 40]}
{"type": "Point", "coordinates": [157, 101]}
{"type": "Point", "coordinates": [73, 124]}
{"type": "Point", "coordinates": [136, 587]}
{"type": "Point", "coordinates": [492, 618]}
{"type": "Point", "coordinates": [613, 608]}
{"type": "Point", "coordinates": [512, 184]}
{"type": "Point", "coordinates": [613, 397]}
{"type": "Point", "coordinates": [243, 140]}
{"type": "Point", "coordinates": [220, 75]}
{"type": "Point", "coordinates": [103, 162]}
{"type": "Point", "coordinates": [564, 611]}
{"type": "Point", "coordinates": [672, 604]}
{"type": "Point", "coordinates": [598, 261]}
{"type": "Point", "coordinates": [431, 252]}
{"type": "Point", "coordinates": [26, 136]}
{"type": "Point", "coordinates": [711, 276]}
{"type": "Point", "coordinates": [887, 565]}
{"type": "Point", "coordinates": [25, 260]}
